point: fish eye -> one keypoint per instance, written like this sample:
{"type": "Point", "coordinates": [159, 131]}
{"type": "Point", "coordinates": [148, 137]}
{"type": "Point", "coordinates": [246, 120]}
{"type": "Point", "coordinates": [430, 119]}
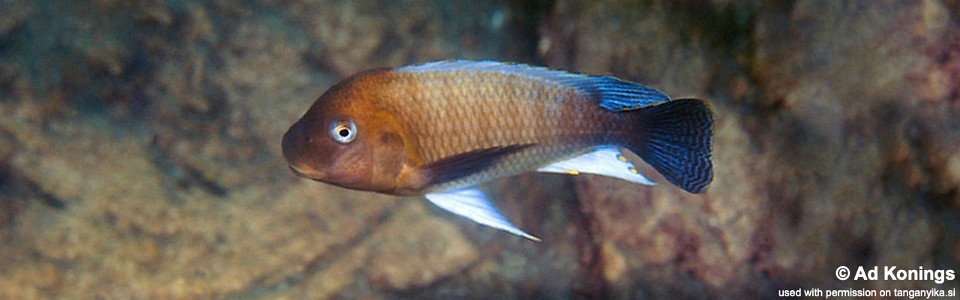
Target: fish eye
{"type": "Point", "coordinates": [343, 131]}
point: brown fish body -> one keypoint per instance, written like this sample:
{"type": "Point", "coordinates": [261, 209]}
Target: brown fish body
{"type": "Point", "coordinates": [438, 127]}
{"type": "Point", "coordinates": [449, 114]}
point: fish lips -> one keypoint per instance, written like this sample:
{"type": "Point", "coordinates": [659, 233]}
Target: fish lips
{"type": "Point", "coordinates": [292, 142]}
{"type": "Point", "coordinates": [311, 174]}
{"type": "Point", "coordinates": [293, 145]}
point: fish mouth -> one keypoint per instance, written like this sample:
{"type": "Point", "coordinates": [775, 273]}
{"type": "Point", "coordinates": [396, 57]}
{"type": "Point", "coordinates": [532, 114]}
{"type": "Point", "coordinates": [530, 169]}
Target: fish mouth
{"type": "Point", "coordinates": [311, 174]}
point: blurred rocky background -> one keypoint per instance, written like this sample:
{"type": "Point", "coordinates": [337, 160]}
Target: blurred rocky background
{"type": "Point", "coordinates": [140, 158]}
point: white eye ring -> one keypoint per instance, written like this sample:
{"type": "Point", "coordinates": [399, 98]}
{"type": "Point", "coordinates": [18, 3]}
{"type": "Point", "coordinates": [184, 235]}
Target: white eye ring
{"type": "Point", "coordinates": [343, 131]}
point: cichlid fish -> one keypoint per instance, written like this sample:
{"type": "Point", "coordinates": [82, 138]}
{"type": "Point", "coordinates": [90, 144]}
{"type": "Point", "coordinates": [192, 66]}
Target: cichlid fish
{"type": "Point", "coordinates": [439, 129]}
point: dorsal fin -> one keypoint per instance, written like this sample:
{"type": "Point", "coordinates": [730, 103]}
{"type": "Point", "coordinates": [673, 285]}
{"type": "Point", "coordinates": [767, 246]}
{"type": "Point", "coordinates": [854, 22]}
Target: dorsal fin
{"type": "Point", "coordinates": [611, 93]}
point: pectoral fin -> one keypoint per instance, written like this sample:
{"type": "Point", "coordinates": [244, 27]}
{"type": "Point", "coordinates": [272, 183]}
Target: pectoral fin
{"type": "Point", "coordinates": [606, 161]}
{"type": "Point", "coordinates": [460, 165]}
{"type": "Point", "coordinates": [474, 204]}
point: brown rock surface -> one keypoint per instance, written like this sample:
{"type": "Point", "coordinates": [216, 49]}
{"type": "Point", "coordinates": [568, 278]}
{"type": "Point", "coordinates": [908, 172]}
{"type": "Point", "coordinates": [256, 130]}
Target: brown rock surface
{"type": "Point", "coordinates": [139, 151]}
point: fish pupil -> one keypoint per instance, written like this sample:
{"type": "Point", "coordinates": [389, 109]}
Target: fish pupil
{"type": "Point", "coordinates": [344, 132]}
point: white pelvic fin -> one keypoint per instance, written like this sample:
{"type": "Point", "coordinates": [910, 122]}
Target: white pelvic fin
{"type": "Point", "coordinates": [606, 161]}
{"type": "Point", "coordinates": [474, 204]}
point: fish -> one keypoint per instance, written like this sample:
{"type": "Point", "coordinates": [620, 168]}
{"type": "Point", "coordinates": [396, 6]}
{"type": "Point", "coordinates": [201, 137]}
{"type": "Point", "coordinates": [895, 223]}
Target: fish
{"type": "Point", "coordinates": [441, 129]}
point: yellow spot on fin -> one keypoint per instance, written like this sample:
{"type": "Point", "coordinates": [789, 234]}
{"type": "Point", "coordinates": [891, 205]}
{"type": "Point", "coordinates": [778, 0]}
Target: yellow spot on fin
{"type": "Point", "coordinates": [605, 161]}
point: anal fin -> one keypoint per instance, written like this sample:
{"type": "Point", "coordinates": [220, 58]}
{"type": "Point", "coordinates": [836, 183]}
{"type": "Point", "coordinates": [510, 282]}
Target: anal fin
{"type": "Point", "coordinates": [606, 161]}
{"type": "Point", "coordinates": [474, 205]}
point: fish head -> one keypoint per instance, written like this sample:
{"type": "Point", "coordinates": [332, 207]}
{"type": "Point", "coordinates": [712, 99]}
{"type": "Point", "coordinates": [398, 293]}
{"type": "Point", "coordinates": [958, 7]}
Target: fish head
{"type": "Point", "coordinates": [349, 139]}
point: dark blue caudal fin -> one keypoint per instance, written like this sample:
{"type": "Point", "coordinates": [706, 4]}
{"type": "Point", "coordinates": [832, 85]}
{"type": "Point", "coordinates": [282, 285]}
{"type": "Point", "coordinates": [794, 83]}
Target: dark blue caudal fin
{"type": "Point", "coordinates": [677, 140]}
